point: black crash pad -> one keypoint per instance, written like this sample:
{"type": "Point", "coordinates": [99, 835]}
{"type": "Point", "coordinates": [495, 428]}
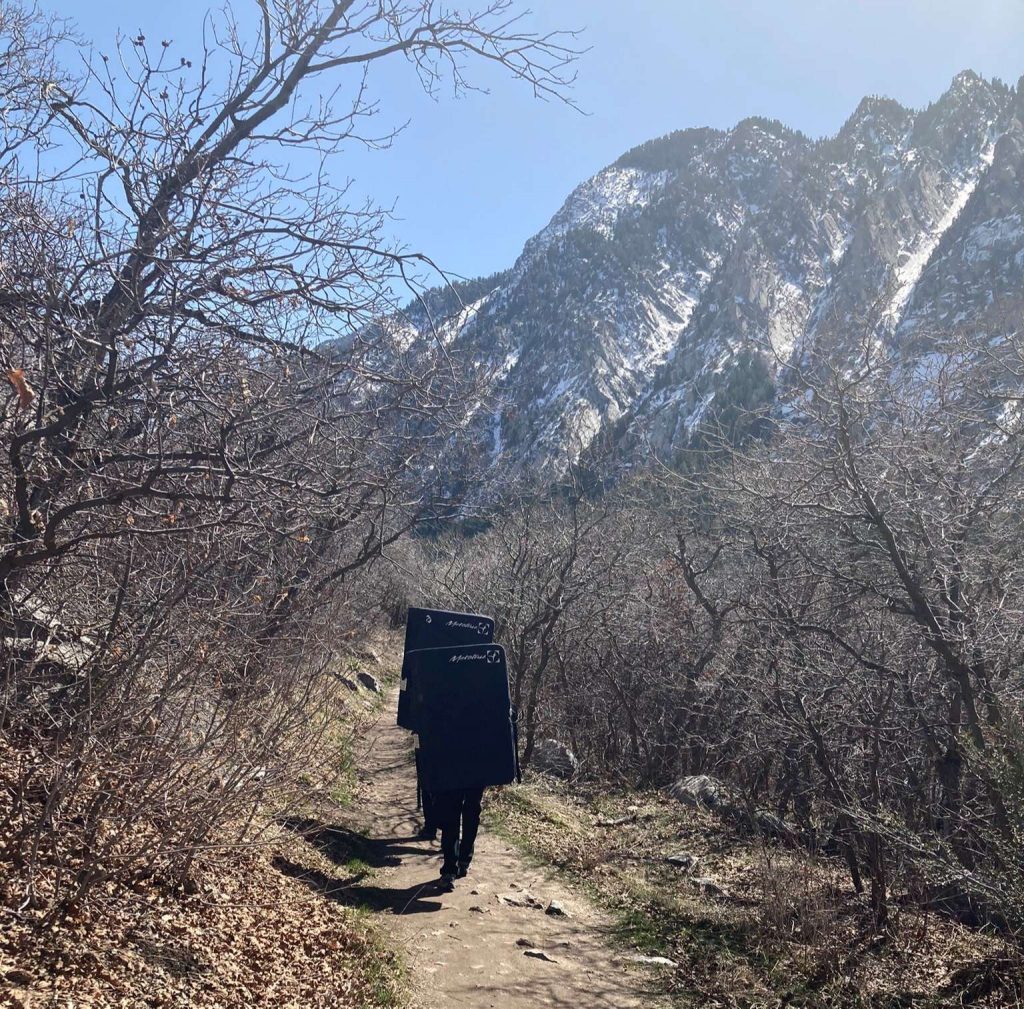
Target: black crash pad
{"type": "Point", "coordinates": [462, 710]}
{"type": "Point", "coordinates": [437, 629]}
{"type": "Point", "coordinates": [441, 629]}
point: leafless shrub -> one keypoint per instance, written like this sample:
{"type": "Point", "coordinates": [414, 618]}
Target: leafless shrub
{"type": "Point", "coordinates": [207, 431]}
{"type": "Point", "coordinates": [825, 613]}
{"type": "Point", "coordinates": [797, 904]}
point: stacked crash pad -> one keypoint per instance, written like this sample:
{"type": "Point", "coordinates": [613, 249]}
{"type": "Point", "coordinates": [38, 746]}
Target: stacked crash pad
{"type": "Point", "coordinates": [435, 629]}
{"type": "Point", "coordinates": [455, 698]}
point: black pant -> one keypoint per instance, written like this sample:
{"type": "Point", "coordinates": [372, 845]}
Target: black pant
{"type": "Point", "coordinates": [429, 817]}
{"type": "Point", "coordinates": [426, 800]}
{"type": "Point", "coordinates": [458, 814]}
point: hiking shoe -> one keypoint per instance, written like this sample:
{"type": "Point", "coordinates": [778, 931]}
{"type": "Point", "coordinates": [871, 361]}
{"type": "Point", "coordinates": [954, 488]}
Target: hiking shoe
{"type": "Point", "coordinates": [462, 871]}
{"type": "Point", "coordinates": [427, 834]}
{"type": "Point", "coordinates": [447, 883]}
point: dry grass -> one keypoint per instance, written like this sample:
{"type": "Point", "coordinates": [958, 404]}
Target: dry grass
{"type": "Point", "coordinates": [787, 929]}
{"type": "Point", "coordinates": [245, 935]}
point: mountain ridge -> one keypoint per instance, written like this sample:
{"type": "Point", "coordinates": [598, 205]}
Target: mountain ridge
{"type": "Point", "coordinates": [695, 253]}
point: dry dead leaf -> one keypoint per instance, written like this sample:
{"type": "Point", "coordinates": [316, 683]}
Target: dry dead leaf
{"type": "Point", "coordinates": [16, 376]}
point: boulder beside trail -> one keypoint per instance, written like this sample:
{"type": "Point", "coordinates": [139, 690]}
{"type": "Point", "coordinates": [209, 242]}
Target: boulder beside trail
{"type": "Point", "coordinates": [702, 790]}
{"type": "Point", "coordinates": [369, 681]}
{"type": "Point", "coordinates": [708, 887]}
{"type": "Point", "coordinates": [555, 758]}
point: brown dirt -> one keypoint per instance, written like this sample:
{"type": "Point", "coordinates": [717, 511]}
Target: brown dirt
{"type": "Point", "coordinates": [467, 948]}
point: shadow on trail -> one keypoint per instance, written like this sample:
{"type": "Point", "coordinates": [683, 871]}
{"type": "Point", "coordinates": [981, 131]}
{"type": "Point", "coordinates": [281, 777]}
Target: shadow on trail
{"type": "Point", "coordinates": [345, 847]}
{"type": "Point", "coordinates": [342, 846]}
{"type": "Point", "coordinates": [350, 891]}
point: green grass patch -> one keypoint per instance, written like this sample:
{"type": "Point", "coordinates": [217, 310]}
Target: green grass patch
{"type": "Point", "coordinates": [640, 930]}
{"type": "Point", "coordinates": [635, 927]}
{"type": "Point", "coordinates": [343, 788]}
{"type": "Point", "coordinates": [382, 967]}
{"type": "Point", "coordinates": [649, 913]}
{"type": "Point", "coordinates": [357, 866]}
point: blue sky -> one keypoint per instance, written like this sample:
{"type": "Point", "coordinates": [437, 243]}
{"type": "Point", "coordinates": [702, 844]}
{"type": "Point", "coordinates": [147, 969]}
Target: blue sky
{"type": "Point", "coordinates": [472, 179]}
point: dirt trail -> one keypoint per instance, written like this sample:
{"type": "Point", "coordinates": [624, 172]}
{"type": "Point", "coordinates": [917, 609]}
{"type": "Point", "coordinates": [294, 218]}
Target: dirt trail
{"type": "Point", "coordinates": [462, 946]}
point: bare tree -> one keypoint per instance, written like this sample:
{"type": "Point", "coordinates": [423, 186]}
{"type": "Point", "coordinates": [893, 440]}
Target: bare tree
{"type": "Point", "coordinates": [823, 609]}
{"type": "Point", "coordinates": [207, 430]}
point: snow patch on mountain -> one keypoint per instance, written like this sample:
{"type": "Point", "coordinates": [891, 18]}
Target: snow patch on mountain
{"type": "Point", "coordinates": [453, 326]}
{"type": "Point", "coordinates": [788, 320]}
{"type": "Point", "coordinates": [992, 237]}
{"type": "Point", "coordinates": [705, 262]}
{"type": "Point", "coordinates": [915, 258]}
{"type": "Point", "coordinates": [598, 202]}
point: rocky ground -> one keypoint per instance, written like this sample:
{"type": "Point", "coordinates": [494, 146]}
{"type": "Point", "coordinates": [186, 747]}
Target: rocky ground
{"type": "Point", "coordinates": [749, 923]}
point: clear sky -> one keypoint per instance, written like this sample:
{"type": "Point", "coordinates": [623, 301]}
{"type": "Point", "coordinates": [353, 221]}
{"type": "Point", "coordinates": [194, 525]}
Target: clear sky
{"type": "Point", "coordinates": [472, 179]}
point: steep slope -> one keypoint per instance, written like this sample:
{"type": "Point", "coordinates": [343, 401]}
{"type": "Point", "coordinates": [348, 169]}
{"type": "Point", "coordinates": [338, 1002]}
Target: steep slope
{"type": "Point", "coordinates": [710, 259]}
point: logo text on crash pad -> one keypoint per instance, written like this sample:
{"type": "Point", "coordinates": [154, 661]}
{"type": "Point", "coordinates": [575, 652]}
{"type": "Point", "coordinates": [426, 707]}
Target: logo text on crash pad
{"type": "Point", "coordinates": [491, 656]}
{"type": "Point", "coordinates": [480, 628]}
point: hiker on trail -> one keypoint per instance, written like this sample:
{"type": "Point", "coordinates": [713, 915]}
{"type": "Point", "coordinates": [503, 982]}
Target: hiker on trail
{"type": "Point", "coordinates": [430, 629]}
{"type": "Point", "coordinates": [455, 700]}
{"type": "Point", "coordinates": [458, 813]}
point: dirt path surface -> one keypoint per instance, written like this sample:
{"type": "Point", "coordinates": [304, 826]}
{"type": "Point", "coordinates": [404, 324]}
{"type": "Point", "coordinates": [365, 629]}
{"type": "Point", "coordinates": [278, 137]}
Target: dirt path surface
{"type": "Point", "coordinates": [469, 948]}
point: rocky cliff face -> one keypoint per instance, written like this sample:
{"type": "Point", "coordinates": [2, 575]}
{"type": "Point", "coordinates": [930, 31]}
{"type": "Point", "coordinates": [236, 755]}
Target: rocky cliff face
{"type": "Point", "coordinates": [708, 260]}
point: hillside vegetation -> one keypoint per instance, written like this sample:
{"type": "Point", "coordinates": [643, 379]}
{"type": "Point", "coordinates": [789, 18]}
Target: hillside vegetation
{"type": "Point", "coordinates": [821, 612]}
{"type": "Point", "coordinates": [759, 519]}
{"type": "Point", "coordinates": [203, 449]}
{"type": "Point", "coordinates": [745, 921]}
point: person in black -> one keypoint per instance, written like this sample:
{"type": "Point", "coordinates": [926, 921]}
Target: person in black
{"type": "Point", "coordinates": [457, 813]}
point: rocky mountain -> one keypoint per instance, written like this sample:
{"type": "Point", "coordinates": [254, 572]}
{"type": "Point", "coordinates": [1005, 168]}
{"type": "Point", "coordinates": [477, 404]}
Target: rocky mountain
{"type": "Point", "coordinates": [698, 264]}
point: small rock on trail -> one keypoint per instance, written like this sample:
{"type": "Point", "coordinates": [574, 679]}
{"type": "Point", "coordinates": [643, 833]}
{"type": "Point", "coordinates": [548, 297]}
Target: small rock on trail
{"type": "Point", "coordinates": [653, 961]}
{"type": "Point", "coordinates": [520, 900]}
